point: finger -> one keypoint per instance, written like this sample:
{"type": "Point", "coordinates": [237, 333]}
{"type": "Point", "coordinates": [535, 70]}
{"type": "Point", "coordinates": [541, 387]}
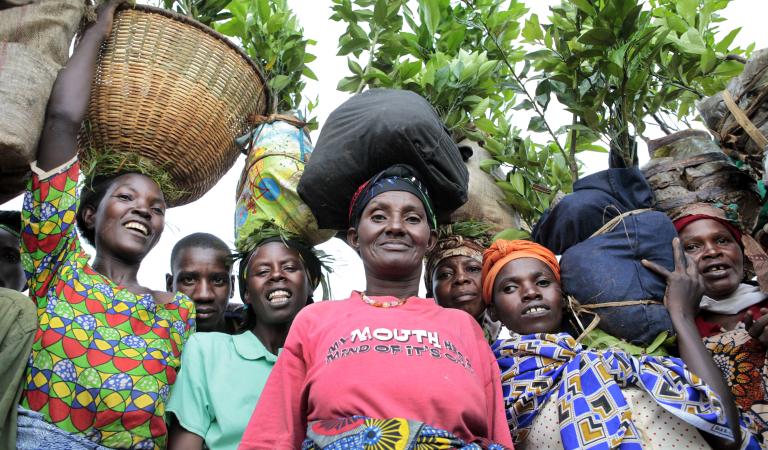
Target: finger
{"type": "Point", "coordinates": [760, 323]}
{"type": "Point", "coordinates": [748, 321]}
{"type": "Point", "coordinates": [650, 265]}
{"type": "Point", "coordinates": [680, 262]}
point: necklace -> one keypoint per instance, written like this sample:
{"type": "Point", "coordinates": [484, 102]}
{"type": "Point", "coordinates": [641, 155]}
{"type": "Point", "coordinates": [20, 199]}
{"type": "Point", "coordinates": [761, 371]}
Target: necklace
{"type": "Point", "coordinates": [379, 304]}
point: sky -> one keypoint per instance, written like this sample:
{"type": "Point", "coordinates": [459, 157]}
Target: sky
{"type": "Point", "coordinates": [214, 212]}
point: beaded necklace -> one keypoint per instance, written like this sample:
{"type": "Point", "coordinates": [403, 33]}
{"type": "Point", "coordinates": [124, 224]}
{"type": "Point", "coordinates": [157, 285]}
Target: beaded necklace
{"type": "Point", "coordinates": [379, 304]}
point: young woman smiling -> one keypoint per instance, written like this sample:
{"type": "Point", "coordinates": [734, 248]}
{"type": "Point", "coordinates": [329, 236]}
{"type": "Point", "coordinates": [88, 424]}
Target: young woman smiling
{"type": "Point", "coordinates": [107, 348]}
{"type": "Point", "coordinates": [384, 367]}
{"type": "Point", "coordinates": [601, 398]}
{"type": "Point", "coordinates": [276, 281]}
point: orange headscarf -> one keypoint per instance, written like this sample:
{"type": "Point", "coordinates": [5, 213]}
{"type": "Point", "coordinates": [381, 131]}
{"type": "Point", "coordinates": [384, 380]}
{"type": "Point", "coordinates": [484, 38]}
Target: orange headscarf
{"type": "Point", "coordinates": [501, 252]}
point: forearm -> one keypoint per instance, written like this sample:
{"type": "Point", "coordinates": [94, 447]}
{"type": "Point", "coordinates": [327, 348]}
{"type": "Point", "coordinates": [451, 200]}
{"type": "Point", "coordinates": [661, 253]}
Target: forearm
{"type": "Point", "coordinates": [181, 439]}
{"type": "Point", "coordinates": [68, 102]}
{"type": "Point", "coordinates": [699, 361]}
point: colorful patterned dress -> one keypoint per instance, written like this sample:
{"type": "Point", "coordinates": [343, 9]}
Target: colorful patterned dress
{"type": "Point", "coordinates": [104, 358]}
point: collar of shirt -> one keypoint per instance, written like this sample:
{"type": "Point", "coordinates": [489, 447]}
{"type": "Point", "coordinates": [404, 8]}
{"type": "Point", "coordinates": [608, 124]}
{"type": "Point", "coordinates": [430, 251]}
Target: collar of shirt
{"type": "Point", "coordinates": [248, 346]}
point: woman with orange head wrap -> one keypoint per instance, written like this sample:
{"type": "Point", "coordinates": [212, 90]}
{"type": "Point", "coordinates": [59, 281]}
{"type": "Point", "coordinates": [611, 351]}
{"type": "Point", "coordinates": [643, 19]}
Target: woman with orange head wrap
{"type": "Point", "coordinates": [521, 283]}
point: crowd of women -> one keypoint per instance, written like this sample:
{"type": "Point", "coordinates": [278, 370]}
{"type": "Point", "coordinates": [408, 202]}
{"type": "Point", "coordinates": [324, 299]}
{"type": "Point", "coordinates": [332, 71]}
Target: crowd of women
{"type": "Point", "coordinates": [95, 360]}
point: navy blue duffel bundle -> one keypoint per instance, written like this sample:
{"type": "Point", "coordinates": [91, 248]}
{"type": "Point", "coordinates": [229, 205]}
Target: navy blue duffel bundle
{"type": "Point", "coordinates": [600, 263]}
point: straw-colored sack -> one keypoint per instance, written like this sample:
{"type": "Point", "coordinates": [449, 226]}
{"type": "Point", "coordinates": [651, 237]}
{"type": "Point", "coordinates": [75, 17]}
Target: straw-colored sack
{"type": "Point", "coordinates": [486, 200]}
{"type": "Point", "coordinates": [34, 44]}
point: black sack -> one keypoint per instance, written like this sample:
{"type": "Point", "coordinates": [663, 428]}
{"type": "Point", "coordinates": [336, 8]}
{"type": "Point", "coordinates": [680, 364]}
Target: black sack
{"type": "Point", "coordinates": [606, 268]}
{"type": "Point", "coordinates": [596, 199]}
{"type": "Point", "coordinates": [370, 132]}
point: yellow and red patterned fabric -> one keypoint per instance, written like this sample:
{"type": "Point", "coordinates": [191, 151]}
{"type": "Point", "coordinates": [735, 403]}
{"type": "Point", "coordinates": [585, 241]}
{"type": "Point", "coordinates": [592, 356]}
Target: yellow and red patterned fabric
{"type": "Point", "coordinates": [103, 358]}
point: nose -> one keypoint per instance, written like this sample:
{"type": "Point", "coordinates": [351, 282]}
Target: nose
{"type": "Point", "coordinates": [395, 225]}
{"type": "Point", "coordinates": [530, 292]}
{"type": "Point", "coordinates": [204, 292]}
{"type": "Point", "coordinates": [711, 250]}
{"type": "Point", "coordinates": [141, 208]}
{"type": "Point", "coordinates": [462, 277]}
{"type": "Point", "coordinates": [276, 274]}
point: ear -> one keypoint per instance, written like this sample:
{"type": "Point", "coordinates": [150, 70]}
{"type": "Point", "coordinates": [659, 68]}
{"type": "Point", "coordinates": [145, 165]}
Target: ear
{"type": "Point", "coordinates": [169, 282]}
{"type": "Point", "coordinates": [432, 240]}
{"type": "Point", "coordinates": [89, 217]}
{"type": "Point", "coordinates": [492, 312]}
{"type": "Point", "coordinates": [232, 286]}
{"type": "Point", "coordinates": [352, 239]}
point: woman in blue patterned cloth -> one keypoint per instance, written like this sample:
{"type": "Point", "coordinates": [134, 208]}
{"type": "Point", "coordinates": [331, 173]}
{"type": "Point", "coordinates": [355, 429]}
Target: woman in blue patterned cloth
{"type": "Point", "coordinates": [607, 398]}
{"type": "Point", "coordinates": [107, 349]}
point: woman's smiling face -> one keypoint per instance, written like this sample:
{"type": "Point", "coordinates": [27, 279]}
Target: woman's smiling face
{"type": "Point", "coordinates": [527, 297]}
{"type": "Point", "coordinates": [717, 255]}
{"type": "Point", "coordinates": [393, 235]}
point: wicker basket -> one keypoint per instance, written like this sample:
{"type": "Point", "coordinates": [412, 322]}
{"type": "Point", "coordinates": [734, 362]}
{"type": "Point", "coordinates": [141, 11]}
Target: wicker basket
{"type": "Point", "coordinates": [176, 92]}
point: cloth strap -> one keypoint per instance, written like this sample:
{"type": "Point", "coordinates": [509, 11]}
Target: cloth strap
{"type": "Point", "coordinates": [744, 121]}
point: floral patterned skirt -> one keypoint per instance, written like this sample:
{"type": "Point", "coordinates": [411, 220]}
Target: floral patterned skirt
{"type": "Point", "coordinates": [358, 432]}
{"type": "Point", "coordinates": [742, 360]}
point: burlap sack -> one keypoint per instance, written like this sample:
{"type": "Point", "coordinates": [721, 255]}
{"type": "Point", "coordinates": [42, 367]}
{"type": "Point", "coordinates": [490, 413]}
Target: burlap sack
{"type": "Point", "coordinates": [486, 200]}
{"type": "Point", "coordinates": [34, 44]}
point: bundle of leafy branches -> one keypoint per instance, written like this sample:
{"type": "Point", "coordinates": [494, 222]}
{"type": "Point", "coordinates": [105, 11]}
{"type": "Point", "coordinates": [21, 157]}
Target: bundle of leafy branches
{"type": "Point", "coordinates": [612, 64]}
{"type": "Point", "coordinates": [271, 35]}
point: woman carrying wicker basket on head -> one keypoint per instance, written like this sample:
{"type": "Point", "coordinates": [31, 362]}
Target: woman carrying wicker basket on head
{"type": "Point", "coordinates": [107, 349]}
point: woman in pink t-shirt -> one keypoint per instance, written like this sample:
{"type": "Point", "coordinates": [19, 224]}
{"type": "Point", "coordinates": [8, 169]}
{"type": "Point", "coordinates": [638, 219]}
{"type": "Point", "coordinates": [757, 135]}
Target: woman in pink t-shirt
{"type": "Point", "coordinates": [383, 367]}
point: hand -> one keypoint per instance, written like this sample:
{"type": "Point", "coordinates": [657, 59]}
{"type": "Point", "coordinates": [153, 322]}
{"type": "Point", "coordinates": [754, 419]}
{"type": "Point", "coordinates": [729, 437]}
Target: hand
{"type": "Point", "coordinates": [757, 327]}
{"type": "Point", "coordinates": [105, 16]}
{"type": "Point", "coordinates": [684, 286]}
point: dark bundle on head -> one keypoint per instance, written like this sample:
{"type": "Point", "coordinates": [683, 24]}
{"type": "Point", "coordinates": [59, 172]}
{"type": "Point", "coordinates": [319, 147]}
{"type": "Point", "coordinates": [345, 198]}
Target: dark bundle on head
{"type": "Point", "coordinates": [92, 194]}
{"type": "Point", "coordinates": [399, 177]}
{"type": "Point", "coordinates": [11, 222]}
{"type": "Point", "coordinates": [200, 240]}
{"type": "Point", "coordinates": [309, 258]}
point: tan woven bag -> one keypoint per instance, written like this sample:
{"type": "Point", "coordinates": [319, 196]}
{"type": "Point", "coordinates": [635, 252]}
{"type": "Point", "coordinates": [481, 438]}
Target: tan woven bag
{"type": "Point", "coordinates": [34, 44]}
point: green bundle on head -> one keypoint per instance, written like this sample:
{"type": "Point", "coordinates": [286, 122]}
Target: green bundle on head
{"type": "Point", "coordinates": [472, 229]}
{"type": "Point", "coordinates": [108, 162]}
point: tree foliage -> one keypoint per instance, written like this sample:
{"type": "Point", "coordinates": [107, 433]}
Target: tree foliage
{"type": "Point", "coordinates": [613, 64]}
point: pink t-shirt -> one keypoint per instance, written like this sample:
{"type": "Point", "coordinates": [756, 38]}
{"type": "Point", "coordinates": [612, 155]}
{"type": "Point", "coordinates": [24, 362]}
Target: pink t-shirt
{"type": "Point", "coordinates": [416, 361]}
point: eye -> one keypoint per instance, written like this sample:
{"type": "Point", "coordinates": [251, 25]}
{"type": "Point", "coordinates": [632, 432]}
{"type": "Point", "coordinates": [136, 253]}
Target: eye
{"type": "Point", "coordinates": [508, 289]}
{"type": "Point", "coordinates": [158, 211]}
{"type": "Point", "coordinates": [544, 283]}
{"type": "Point", "coordinates": [187, 280]}
{"type": "Point", "coordinates": [474, 269]}
{"type": "Point", "coordinates": [378, 218]}
{"type": "Point", "coordinates": [691, 247]}
{"type": "Point", "coordinates": [413, 219]}
{"type": "Point", "coordinates": [724, 241]}
{"type": "Point", "coordinates": [290, 268]}
{"type": "Point", "coordinates": [124, 196]}
{"type": "Point", "coordinates": [12, 257]}
{"type": "Point", "coordinates": [444, 275]}
{"type": "Point", "coordinates": [219, 280]}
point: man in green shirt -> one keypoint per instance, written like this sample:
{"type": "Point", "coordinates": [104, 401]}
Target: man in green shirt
{"type": "Point", "coordinates": [18, 322]}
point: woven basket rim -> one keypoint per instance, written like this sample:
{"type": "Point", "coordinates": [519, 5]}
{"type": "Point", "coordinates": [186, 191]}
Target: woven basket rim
{"type": "Point", "coordinates": [210, 31]}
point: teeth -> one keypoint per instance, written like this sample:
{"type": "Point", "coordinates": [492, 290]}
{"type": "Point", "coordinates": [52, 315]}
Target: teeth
{"type": "Point", "coordinates": [137, 226]}
{"type": "Point", "coordinates": [535, 309]}
{"type": "Point", "coordinates": [279, 294]}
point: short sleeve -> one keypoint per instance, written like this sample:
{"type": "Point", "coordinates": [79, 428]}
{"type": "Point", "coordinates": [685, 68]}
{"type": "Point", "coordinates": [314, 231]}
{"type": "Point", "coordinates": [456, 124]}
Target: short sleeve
{"type": "Point", "coordinates": [190, 399]}
{"type": "Point", "coordinates": [48, 232]}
